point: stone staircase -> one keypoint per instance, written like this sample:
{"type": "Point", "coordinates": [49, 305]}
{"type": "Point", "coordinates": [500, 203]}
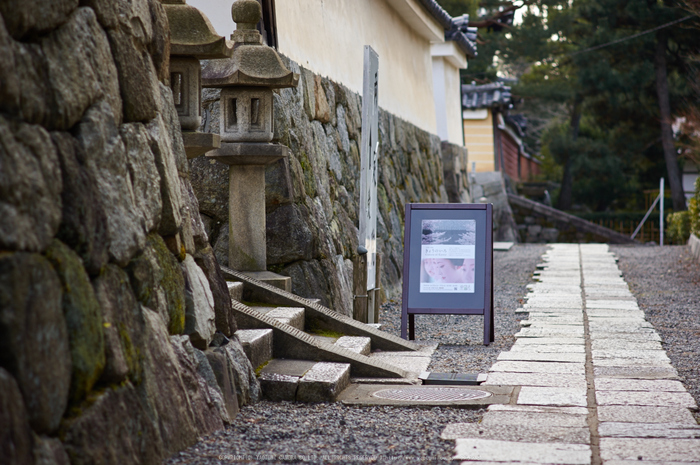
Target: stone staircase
{"type": "Point", "coordinates": [302, 351]}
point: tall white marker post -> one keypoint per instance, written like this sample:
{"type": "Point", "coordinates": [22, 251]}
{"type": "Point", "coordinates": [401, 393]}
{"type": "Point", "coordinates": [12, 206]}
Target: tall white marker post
{"type": "Point", "coordinates": [369, 173]}
{"type": "Point", "coordinates": [661, 210]}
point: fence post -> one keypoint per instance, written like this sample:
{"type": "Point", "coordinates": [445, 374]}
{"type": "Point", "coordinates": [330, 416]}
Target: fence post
{"type": "Point", "coordinates": [661, 214]}
{"type": "Point", "coordinates": [359, 288]}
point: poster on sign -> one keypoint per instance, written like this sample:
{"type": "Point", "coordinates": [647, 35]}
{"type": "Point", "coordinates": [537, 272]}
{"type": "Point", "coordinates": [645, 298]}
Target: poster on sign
{"type": "Point", "coordinates": [448, 263]}
{"type": "Point", "coordinates": [447, 255]}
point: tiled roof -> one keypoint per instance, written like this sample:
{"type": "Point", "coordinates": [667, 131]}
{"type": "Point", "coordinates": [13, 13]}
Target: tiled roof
{"type": "Point", "coordinates": [485, 96]}
{"type": "Point", "coordinates": [456, 29]}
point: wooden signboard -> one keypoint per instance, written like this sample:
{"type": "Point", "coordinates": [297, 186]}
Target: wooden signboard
{"type": "Point", "coordinates": [448, 263]}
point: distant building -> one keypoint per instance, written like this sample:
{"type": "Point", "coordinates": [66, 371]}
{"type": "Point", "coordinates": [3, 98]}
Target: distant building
{"type": "Point", "coordinates": [421, 49]}
{"type": "Point", "coordinates": [494, 138]}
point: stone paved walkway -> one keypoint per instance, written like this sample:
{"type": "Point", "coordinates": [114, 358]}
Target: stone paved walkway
{"type": "Point", "coordinates": [596, 385]}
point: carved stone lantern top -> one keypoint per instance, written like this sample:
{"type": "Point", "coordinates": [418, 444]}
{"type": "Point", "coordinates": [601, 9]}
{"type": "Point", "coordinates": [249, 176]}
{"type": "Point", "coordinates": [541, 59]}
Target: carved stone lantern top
{"type": "Point", "coordinates": [253, 63]}
{"type": "Point", "coordinates": [191, 33]}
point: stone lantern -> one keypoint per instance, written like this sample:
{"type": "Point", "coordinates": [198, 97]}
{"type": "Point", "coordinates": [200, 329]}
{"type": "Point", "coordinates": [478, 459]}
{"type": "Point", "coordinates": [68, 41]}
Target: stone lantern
{"type": "Point", "coordinates": [192, 38]}
{"type": "Point", "coordinates": [246, 129]}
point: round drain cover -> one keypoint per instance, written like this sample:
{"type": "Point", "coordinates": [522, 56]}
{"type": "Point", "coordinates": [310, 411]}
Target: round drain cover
{"type": "Point", "coordinates": [431, 394]}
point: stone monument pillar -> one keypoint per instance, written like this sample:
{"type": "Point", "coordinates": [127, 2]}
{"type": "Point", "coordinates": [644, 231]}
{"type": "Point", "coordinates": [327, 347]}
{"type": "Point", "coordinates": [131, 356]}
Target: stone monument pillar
{"type": "Point", "coordinates": [192, 38]}
{"type": "Point", "coordinates": [247, 80]}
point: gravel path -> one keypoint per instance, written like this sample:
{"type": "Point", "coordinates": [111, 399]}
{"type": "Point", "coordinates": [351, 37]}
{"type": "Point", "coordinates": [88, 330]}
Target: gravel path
{"type": "Point", "coordinates": [666, 283]}
{"type": "Point", "coordinates": [285, 432]}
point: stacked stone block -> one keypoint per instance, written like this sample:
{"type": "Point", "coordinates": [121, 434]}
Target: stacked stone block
{"type": "Point", "coordinates": [109, 291]}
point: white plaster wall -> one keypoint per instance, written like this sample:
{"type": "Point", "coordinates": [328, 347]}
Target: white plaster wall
{"type": "Point", "coordinates": [453, 104]}
{"type": "Point", "coordinates": [328, 37]}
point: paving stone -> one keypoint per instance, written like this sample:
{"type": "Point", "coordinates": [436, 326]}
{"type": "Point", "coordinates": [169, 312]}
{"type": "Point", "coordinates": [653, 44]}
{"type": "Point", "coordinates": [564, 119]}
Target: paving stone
{"type": "Point", "coordinates": [555, 318]}
{"type": "Point", "coordinates": [257, 345]}
{"type": "Point", "coordinates": [360, 345]}
{"type": "Point", "coordinates": [636, 372]}
{"type": "Point", "coordinates": [535, 395]}
{"type": "Point", "coordinates": [632, 337]}
{"type": "Point", "coordinates": [645, 414]}
{"type": "Point", "coordinates": [553, 341]}
{"type": "Point", "coordinates": [630, 362]}
{"type": "Point", "coordinates": [648, 430]}
{"type": "Point", "coordinates": [614, 344]}
{"type": "Point", "coordinates": [537, 379]}
{"type": "Point", "coordinates": [543, 289]}
{"type": "Point", "coordinates": [538, 367]}
{"type": "Point", "coordinates": [546, 303]}
{"type": "Point", "coordinates": [323, 382]}
{"type": "Point", "coordinates": [519, 433]}
{"type": "Point", "coordinates": [625, 322]}
{"type": "Point", "coordinates": [655, 399]}
{"type": "Point", "coordinates": [595, 314]}
{"type": "Point", "coordinates": [612, 304]}
{"type": "Point", "coordinates": [538, 409]}
{"type": "Point", "coordinates": [657, 385]}
{"type": "Point", "coordinates": [663, 450]}
{"type": "Point", "coordinates": [505, 451]}
{"type": "Point", "coordinates": [542, 357]}
{"type": "Point", "coordinates": [554, 331]}
{"type": "Point", "coordinates": [556, 311]}
{"type": "Point", "coordinates": [292, 316]}
{"type": "Point", "coordinates": [545, 348]}
{"type": "Point", "coordinates": [658, 355]}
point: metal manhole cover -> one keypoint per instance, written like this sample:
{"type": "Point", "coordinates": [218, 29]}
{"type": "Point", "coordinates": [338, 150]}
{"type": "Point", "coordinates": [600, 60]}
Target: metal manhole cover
{"type": "Point", "coordinates": [431, 394]}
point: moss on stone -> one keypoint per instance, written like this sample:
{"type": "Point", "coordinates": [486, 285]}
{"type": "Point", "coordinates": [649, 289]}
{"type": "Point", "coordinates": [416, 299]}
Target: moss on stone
{"type": "Point", "coordinates": [173, 283]}
{"type": "Point", "coordinates": [83, 320]}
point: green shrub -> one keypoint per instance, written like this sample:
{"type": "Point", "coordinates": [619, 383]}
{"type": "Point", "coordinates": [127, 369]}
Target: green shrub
{"type": "Point", "coordinates": [694, 210]}
{"type": "Point", "coordinates": [678, 228]}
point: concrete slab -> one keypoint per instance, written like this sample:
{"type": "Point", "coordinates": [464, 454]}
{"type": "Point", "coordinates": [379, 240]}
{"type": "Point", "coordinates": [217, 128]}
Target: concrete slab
{"type": "Point", "coordinates": [648, 430]}
{"type": "Point", "coordinates": [636, 372]}
{"type": "Point", "coordinates": [257, 345]}
{"type": "Point", "coordinates": [555, 310]}
{"type": "Point", "coordinates": [360, 345]}
{"type": "Point", "coordinates": [505, 451]}
{"type": "Point", "coordinates": [542, 357]}
{"type": "Point", "coordinates": [645, 414]}
{"type": "Point", "coordinates": [653, 399]}
{"type": "Point", "coordinates": [558, 396]}
{"type": "Point", "coordinates": [595, 314]}
{"type": "Point", "coordinates": [413, 362]}
{"type": "Point", "coordinates": [663, 450]}
{"type": "Point", "coordinates": [536, 379]}
{"type": "Point", "coordinates": [655, 385]}
{"type": "Point", "coordinates": [518, 433]}
{"type": "Point", "coordinates": [538, 367]}
{"type": "Point", "coordinates": [445, 396]}
{"type": "Point", "coordinates": [323, 382]}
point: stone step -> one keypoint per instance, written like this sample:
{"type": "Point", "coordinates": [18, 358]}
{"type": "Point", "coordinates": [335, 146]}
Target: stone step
{"type": "Point", "coordinates": [257, 345]}
{"type": "Point", "coordinates": [292, 316]}
{"type": "Point", "coordinates": [357, 344]}
{"type": "Point", "coordinates": [303, 380]}
{"type": "Point", "coordinates": [235, 290]}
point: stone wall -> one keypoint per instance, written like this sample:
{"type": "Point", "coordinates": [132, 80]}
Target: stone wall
{"type": "Point", "coordinates": [108, 285]}
{"type": "Point", "coordinates": [312, 198]}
